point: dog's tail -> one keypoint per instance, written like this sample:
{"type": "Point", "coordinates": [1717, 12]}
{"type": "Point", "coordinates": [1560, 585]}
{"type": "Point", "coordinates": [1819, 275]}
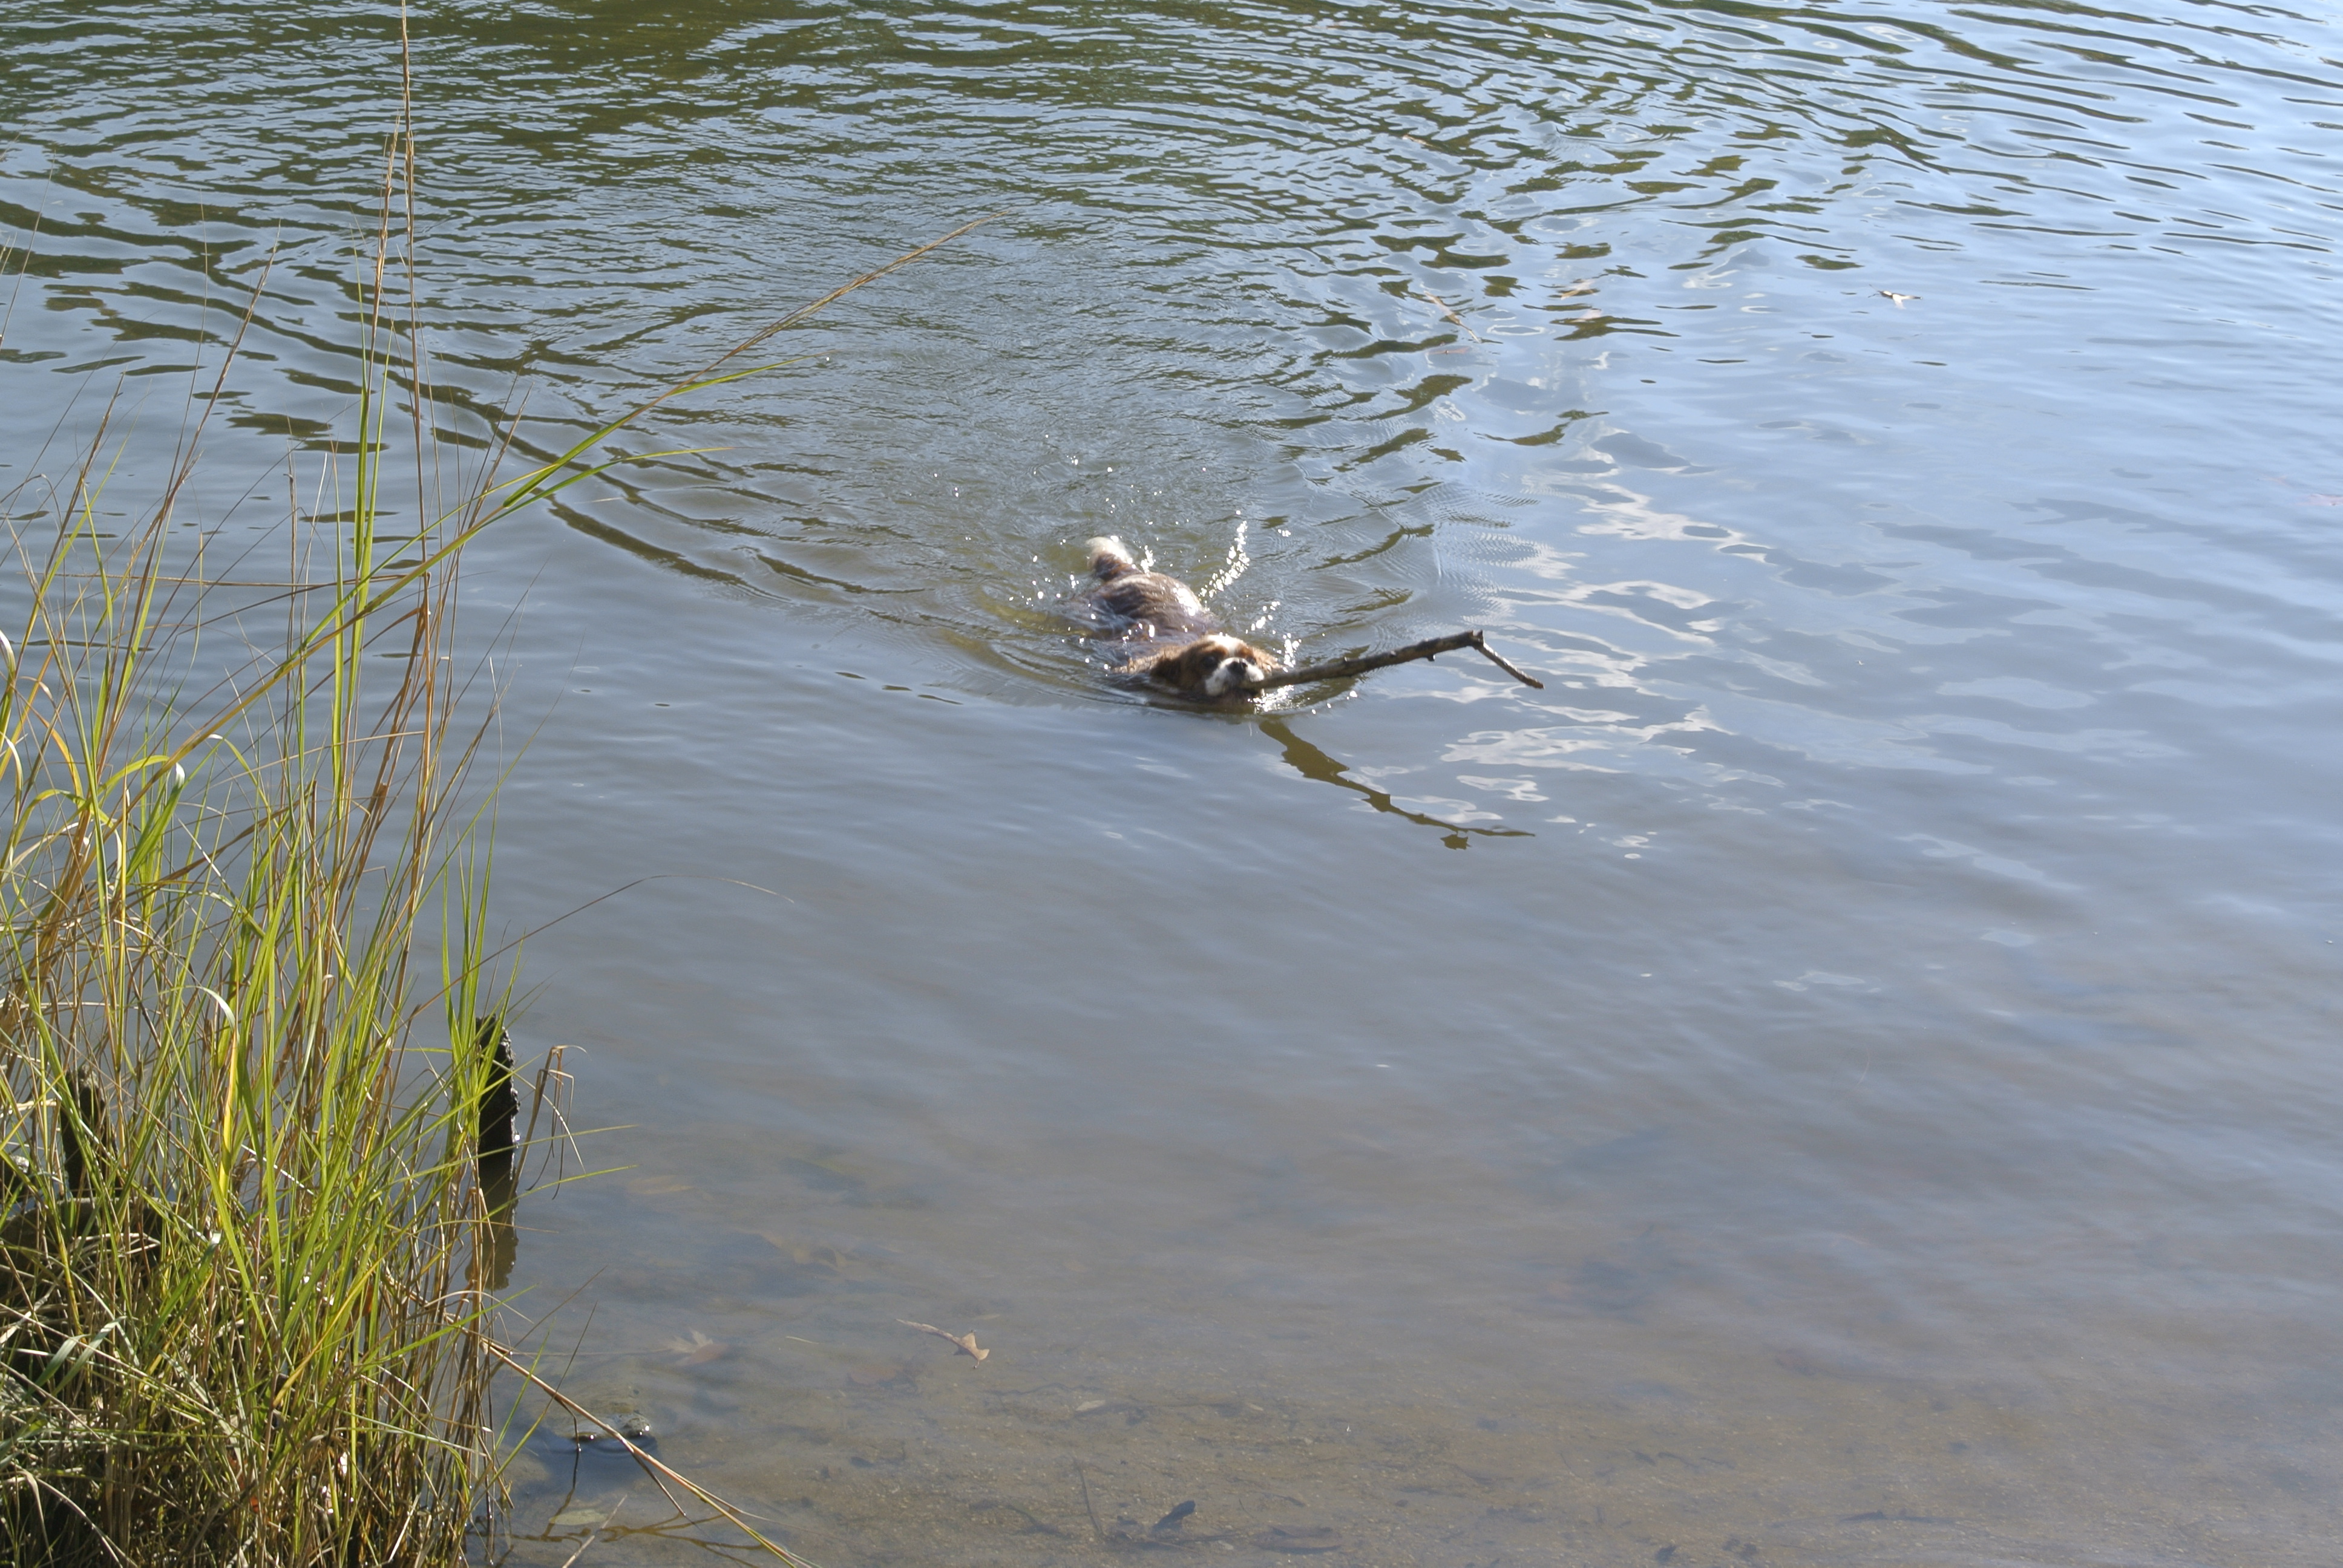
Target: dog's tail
{"type": "Point", "coordinates": [1109, 558]}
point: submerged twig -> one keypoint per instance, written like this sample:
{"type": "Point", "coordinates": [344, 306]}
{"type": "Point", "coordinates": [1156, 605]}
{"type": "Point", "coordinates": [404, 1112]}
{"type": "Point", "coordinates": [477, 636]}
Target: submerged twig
{"type": "Point", "coordinates": [1087, 1507]}
{"type": "Point", "coordinates": [660, 1475]}
{"type": "Point", "coordinates": [1452, 315]}
{"type": "Point", "coordinates": [964, 1343]}
{"type": "Point", "coordinates": [1337, 668]}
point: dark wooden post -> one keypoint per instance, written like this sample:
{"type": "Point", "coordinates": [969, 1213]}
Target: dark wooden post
{"type": "Point", "coordinates": [499, 1108]}
{"type": "Point", "coordinates": [497, 1133]}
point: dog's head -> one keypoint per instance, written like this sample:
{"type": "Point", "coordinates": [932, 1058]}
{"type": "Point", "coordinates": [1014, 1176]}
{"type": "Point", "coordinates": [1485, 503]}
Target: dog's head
{"type": "Point", "coordinates": [1215, 666]}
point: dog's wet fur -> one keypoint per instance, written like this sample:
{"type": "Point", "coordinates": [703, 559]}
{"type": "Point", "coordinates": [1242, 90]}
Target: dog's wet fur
{"type": "Point", "coordinates": [1176, 643]}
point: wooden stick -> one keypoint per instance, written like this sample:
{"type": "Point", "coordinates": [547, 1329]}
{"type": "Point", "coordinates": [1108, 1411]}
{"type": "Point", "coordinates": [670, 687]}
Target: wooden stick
{"type": "Point", "coordinates": [1336, 669]}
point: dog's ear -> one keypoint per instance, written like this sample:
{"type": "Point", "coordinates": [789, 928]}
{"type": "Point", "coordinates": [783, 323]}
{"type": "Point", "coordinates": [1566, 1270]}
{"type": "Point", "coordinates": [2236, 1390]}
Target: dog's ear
{"type": "Point", "coordinates": [1178, 669]}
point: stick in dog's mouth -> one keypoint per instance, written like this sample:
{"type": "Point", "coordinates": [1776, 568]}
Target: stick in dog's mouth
{"type": "Point", "coordinates": [1336, 669]}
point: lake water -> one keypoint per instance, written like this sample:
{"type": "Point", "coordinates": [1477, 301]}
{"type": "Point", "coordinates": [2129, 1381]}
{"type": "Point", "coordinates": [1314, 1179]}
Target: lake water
{"type": "Point", "coordinates": [1846, 1074]}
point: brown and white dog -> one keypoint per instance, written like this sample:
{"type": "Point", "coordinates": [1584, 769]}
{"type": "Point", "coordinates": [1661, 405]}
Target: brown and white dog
{"type": "Point", "coordinates": [1175, 641]}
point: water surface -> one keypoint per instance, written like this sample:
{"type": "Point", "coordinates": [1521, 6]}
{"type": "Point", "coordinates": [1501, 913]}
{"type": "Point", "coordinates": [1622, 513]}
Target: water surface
{"type": "Point", "coordinates": [1843, 1075]}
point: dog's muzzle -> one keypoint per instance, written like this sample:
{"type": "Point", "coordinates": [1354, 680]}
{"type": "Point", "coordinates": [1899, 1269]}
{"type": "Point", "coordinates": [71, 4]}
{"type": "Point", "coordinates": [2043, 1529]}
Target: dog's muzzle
{"type": "Point", "coordinates": [1231, 675]}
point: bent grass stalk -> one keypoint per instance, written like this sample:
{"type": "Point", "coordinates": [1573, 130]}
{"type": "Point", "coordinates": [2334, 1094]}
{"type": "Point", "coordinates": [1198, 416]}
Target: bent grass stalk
{"type": "Point", "coordinates": [239, 1218]}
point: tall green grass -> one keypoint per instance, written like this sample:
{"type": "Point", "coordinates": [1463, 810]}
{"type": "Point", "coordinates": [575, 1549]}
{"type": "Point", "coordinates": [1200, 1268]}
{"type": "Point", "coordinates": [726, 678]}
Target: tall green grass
{"type": "Point", "coordinates": [241, 935]}
{"type": "Point", "coordinates": [243, 1316]}
{"type": "Point", "coordinates": [244, 1251]}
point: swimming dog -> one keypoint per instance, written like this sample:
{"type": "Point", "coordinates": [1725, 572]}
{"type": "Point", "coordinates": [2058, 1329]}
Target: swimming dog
{"type": "Point", "coordinates": [1180, 645]}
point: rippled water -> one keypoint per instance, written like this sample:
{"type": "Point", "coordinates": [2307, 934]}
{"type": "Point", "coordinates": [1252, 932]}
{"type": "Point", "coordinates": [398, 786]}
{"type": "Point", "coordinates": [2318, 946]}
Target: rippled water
{"type": "Point", "coordinates": [1843, 1075]}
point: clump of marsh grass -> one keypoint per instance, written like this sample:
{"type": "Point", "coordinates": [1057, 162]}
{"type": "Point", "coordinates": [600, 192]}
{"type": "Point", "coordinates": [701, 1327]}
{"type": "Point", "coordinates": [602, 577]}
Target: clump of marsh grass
{"type": "Point", "coordinates": [243, 1316]}
{"type": "Point", "coordinates": [246, 1249]}
{"type": "Point", "coordinates": [241, 915]}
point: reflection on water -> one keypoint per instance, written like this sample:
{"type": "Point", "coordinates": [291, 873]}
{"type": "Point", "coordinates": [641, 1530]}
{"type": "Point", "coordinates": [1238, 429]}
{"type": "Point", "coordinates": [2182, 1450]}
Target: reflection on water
{"type": "Point", "coordinates": [1311, 763]}
{"type": "Point", "coordinates": [1866, 1096]}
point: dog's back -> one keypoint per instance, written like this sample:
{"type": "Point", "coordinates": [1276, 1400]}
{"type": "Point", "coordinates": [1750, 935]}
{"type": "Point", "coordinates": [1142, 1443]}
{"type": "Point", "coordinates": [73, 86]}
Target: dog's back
{"type": "Point", "coordinates": [1148, 603]}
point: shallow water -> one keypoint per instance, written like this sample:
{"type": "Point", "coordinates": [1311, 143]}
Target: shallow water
{"type": "Point", "coordinates": [1843, 1075]}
